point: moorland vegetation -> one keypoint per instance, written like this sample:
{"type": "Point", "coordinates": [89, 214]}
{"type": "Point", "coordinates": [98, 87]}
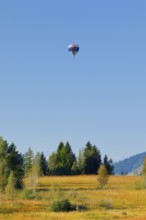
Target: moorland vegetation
{"type": "Point", "coordinates": [28, 190]}
{"type": "Point", "coordinates": [61, 162]}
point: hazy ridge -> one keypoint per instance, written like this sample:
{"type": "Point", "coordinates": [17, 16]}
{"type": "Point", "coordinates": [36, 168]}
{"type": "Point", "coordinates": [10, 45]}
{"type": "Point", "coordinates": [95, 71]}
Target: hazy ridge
{"type": "Point", "coordinates": [130, 165]}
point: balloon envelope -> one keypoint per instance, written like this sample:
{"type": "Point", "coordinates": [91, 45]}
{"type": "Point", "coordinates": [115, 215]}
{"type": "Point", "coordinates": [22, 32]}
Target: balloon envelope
{"type": "Point", "coordinates": [73, 48]}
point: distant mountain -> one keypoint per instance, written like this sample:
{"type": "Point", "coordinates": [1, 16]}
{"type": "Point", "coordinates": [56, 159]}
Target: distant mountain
{"type": "Point", "coordinates": [130, 165]}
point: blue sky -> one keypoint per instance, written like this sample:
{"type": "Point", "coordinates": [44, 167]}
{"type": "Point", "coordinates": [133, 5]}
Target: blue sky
{"type": "Point", "coordinates": [47, 96]}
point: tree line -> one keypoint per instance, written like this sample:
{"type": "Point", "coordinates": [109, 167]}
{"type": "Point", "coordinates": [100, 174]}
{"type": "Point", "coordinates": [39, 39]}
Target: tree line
{"type": "Point", "coordinates": [15, 166]}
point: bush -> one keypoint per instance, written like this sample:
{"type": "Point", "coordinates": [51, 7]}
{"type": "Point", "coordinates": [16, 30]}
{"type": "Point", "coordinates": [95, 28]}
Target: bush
{"type": "Point", "coordinates": [80, 208]}
{"type": "Point", "coordinates": [61, 206]}
{"type": "Point", "coordinates": [27, 194]}
{"type": "Point", "coordinates": [107, 204]}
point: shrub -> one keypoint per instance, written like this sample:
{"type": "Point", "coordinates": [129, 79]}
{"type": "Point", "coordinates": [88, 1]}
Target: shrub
{"type": "Point", "coordinates": [27, 194]}
{"type": "Point", "coordinates": [80, 208]}
{"type": "Point", "coordinates": [61, 206]}
{"type": "Point", "coordinates": [107, 204]}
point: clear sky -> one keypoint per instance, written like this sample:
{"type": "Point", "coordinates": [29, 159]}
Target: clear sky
{"type": "Point", "coordinates": [47, 96]}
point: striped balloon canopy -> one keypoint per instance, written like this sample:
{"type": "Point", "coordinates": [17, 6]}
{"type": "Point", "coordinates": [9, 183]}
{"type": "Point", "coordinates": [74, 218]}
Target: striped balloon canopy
{"type": "Point", "coordinates": [73, 48]}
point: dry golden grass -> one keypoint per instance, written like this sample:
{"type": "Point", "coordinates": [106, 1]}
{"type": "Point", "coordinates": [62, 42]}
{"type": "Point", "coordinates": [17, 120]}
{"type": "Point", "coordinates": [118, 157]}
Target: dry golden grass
{"type": "Point", "coordinates": [124, 198]}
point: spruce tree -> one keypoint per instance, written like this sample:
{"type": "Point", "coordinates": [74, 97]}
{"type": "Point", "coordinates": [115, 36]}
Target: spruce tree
{"type": "Point", "coordinates": [109, 165]}
{"type": "Point", "coordinates": [53, 164]}
{"type": "Point", "coordinates": [3, 166]}
{"type": "Point", "coordinates": [61, 162]}
{"type": "Point", "coordinates": [44, 165]}
{"type": "Point", "coordinates": [92, 159]}
{"type": "Point", "coordinates": [67, 158]}
{"type": "Point", "coordinates": [14, 162]}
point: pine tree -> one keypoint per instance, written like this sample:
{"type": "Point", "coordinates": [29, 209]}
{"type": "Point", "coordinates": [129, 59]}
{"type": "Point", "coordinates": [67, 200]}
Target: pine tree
{"type": "Point", "coordinates": [109, 165]}
{"type": "Point", "coordinates": [3, 148]}
{"type": "Point", "coordinates": [67, 158]}
{"type": "Point", "coordinates": [44, 165]}
{"type": "Point", "coordinates": [92, 159]}
{"type": "Point", "coordinates": [14, 162]}
{"type": "Point", "coordinates": [3, 167]}
{"type": "Point", "coordinates": [53, 164]}
{"type": "Point", "coordinates": [60, 162]}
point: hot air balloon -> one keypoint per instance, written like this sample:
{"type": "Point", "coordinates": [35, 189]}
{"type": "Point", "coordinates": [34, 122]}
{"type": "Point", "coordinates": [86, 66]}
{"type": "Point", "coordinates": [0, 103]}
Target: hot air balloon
{"type": "Point", "coordinates": [73, 48]}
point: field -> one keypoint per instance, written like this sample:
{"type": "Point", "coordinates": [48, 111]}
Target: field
{"type": "Point", "coordinates": [123, 198]}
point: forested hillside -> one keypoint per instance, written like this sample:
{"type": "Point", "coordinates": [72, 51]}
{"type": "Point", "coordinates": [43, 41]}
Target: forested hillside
{"type": "Point", "coordinates": [129, 165]}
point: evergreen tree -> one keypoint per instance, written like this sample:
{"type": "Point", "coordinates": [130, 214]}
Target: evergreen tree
{"type": "Point", "coordinates": [44, 165]}
{"type": "Point", "coordinates": [67, 158]}
{"type": "Point", "coordinates": [3, 148]}
{"type": "Point", "coordinates": [1, 181]}
{"type": "Point", "coordinates": [28, 158]}
{"type": "Point", "coordinates": [92, 159]}
{"type": "Point", "coordinates": [109, 165]}
{"type": "Point", "coordinates": [14, 162]}
{"type": "Point", "coordinates": [60, 163]}
{"type": "Point", "coordinates": [52, 164]}
{"type": "Point", "coordinates": [60, 148]}
{"type": "Point", "coordinates": [10, 160]}
{"type": "Point", "coordinates": [3, 168]}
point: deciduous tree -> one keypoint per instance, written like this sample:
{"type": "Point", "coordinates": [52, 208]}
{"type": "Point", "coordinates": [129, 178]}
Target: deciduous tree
{"type": "Point", "coordinates": [10, 188]}
{"type": "Point", "coordinates": [81, 161]}
{"type": "Point", "coordinates": [102, 176]}
{"type": "Point", "coordinates": [35, 172]}
{"type": "Point", "coordinates": [28, 158]}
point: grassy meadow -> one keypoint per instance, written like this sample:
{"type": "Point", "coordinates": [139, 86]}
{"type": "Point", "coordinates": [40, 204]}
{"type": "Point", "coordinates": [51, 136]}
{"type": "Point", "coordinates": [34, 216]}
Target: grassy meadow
{"type": "Point", "coordinates": [123, 198]}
